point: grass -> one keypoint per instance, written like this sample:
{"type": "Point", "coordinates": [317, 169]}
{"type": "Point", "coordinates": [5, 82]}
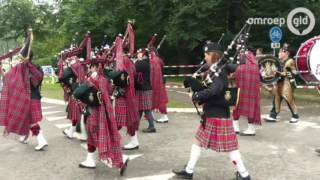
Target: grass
{"type": "Point", "coordinates": [53, 91]}
{"type": "Point", "coordinates": [301, 95]}
{"type": "Point", "coordinates": [177, 104]}
{"type": "Point", "coordinates": [175, 79]}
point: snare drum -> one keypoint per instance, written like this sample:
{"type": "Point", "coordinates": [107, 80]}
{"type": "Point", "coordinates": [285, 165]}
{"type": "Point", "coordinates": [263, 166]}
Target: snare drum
{"type": "Point", "coordinates": [269, 66]}
{"type": "Point", "coordinates": [308, 61]}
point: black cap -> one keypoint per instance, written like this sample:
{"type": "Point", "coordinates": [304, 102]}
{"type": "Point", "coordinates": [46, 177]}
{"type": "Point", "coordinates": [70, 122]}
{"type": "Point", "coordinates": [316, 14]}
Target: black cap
{"type": "Point", "coordinates": [286, 47]}
{"type": "Point", "coordinates": [212, 47]}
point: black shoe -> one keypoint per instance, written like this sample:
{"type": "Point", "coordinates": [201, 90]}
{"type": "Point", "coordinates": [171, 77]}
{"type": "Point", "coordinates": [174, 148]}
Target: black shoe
{"type": "Point", "coordinates": [182, 173]}
{"type": "Point", "coordinates": [124, 167]}
{"type": "Point", "coordinates": [239, 177]}
{"type": "Point", "coordinates": [149, 130]}
{"type": "Point", "coordinates": [244, 134]}
{"type": "Point", "coordinates": [86, 167]}
{"type": "Point", "coordinates": [317, 150]}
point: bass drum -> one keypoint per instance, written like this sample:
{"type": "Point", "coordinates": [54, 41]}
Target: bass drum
{"type": "Point", "coordinates": [269, 66]}
{"type": "Point", "coordinates": [308, 61]}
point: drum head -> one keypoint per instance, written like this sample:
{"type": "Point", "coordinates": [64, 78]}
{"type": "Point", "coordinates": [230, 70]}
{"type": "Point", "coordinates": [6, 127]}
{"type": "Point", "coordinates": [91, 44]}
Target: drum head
{"type": "Point", "coordinates": [314, 60]}
{"type": "Point", "coordinates": [269, 66]}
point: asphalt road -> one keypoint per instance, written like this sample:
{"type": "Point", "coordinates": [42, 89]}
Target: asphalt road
{"type": "Point", "coordinates": [279, 151]}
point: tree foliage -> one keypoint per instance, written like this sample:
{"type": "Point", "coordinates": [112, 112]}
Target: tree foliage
{"type": "Point", "coordinates": [187, 24]}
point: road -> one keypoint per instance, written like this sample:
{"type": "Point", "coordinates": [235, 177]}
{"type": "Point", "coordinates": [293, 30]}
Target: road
{"type": "Point", "coordinates": [279, 151]}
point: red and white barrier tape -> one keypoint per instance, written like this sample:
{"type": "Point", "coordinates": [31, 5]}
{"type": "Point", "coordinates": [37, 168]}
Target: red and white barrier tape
{"type": "Point", "coordinates": [181, 66]}
{"type": "Point", "coordinates": [308, 87]}
{"type": "Point", "coordinates": [174, 86]}
{"type": "Point", "coordinates": [299, 87]}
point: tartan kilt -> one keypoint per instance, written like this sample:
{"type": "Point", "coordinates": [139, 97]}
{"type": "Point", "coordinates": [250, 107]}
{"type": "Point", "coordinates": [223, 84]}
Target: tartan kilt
{"type": "Point", "coordinates": [144, 99]}
{"type": "Point", "coordinates": [93, 138]}
{"type": "Point", "coordinates": [121, 112]}
{"type": "Point", "coordinates": [92, 128]}
{"type": "Point", "coordinates": [217, 135]}
{"type": "Point", "coordinates": [36, 111]}
{"type": "Point", "coordinates": [74, 110]}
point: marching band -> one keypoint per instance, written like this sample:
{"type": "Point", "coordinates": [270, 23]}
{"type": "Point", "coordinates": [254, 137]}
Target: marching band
{"type": "Point", "coordinates": [115, 86]}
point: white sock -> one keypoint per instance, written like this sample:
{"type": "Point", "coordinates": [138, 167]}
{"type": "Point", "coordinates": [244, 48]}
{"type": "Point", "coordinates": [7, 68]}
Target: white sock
{"type": "Point", "coordinates": [236, 160]}
{"type": "Point", "coordinates": [124, 158]}
{"type": "Point", "coordinates": [194, 157]}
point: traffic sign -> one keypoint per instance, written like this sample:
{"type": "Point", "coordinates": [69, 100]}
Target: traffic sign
{"type": "Point", "coordinates": [275, 34]}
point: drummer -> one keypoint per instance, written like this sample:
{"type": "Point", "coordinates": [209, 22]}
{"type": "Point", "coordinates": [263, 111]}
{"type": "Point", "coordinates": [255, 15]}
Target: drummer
{"type": "Point", "coordinates": [284, 89]}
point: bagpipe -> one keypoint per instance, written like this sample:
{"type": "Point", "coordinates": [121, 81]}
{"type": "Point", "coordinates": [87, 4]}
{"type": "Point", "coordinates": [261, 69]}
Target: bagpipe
{"type": "Point", "coordinates": [66, 75]}
{"type": "Point", "coordinates": [10, 54]}
{"type": "Point", "coordinates": [89, 95]}
{"type": "Point", "coordinates": [24, 53]}
{"type": "Point", "coordinates": [231, 57]}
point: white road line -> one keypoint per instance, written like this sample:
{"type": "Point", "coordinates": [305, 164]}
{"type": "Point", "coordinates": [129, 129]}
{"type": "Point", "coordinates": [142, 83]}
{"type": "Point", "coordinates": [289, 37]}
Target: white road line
{"type": "Point", "coordinates": [56, 118]}
{"type": "Point", "coordinates": [134, 156]}
{"type": "Point", "coordinates": [47, 107]}
{"type": "Point", "coordinates": [291, 150]}
{"type": "Point", "coordinates": [301, 125]}
{"type": "Point", "coordinates": [53, 101]}
{"type": "Point", "coordinates": [273, 147]}
{"type": "Point", "coordinates": [155, 177]}
{"type": "Point", "coordinates": [51, 112]}
{"type": "Point", "coordinates": [62, 126]}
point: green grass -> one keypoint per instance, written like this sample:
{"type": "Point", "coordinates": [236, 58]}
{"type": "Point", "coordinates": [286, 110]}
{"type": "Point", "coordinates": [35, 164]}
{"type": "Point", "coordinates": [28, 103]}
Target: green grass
{"type": "Point", "coordinates": [301, 95]}
{"type": "Point", "coordinates": [49, 90]}
{"type": "Point", "coordinates": [175, 79]}
{"type": "Point", "coordinates": [55, 91]}
{"type": "Point", "coordinates": [177, 104]}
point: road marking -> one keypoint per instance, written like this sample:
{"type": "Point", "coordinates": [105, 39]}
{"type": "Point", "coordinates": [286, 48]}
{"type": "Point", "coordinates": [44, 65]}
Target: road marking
{"type": "Point", "coordinates": [56, 118]}
{"type": "Point", "coordinates": [53, 101]}
{"type": "Point", "coordinates": [62, 126]}
{"type": "Point", "coordinates": [291, 150]}
{"type": "Point", "coordinates": [273, 147]}
{"type": "Point", "coordinates": [155, 177]}
{"type": "Point", "coordinates": [51, 112]}
{"type": "Point", "coordinates": [134, 156]}
{"type": "Point", "coordinates": [274, 152]}
{"type": "Point", "coordinates": [301, 125]}
{"type": "Point", "coordinates": [47, 107]}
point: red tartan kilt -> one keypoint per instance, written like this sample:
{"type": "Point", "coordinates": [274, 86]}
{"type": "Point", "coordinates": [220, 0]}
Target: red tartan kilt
{"type": "Point", "coordinates": [36, 111]}
{"type": "Point", "coordinates": [74, 110]}
{"type": "Point", "coordinates": [218, 135]}
{"type": "Point", "coordinates": [92, 128]}
{"type": "Point", "coordinates": [121, 111]}
{"type": "Point", "coordinates": [144, 99]}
